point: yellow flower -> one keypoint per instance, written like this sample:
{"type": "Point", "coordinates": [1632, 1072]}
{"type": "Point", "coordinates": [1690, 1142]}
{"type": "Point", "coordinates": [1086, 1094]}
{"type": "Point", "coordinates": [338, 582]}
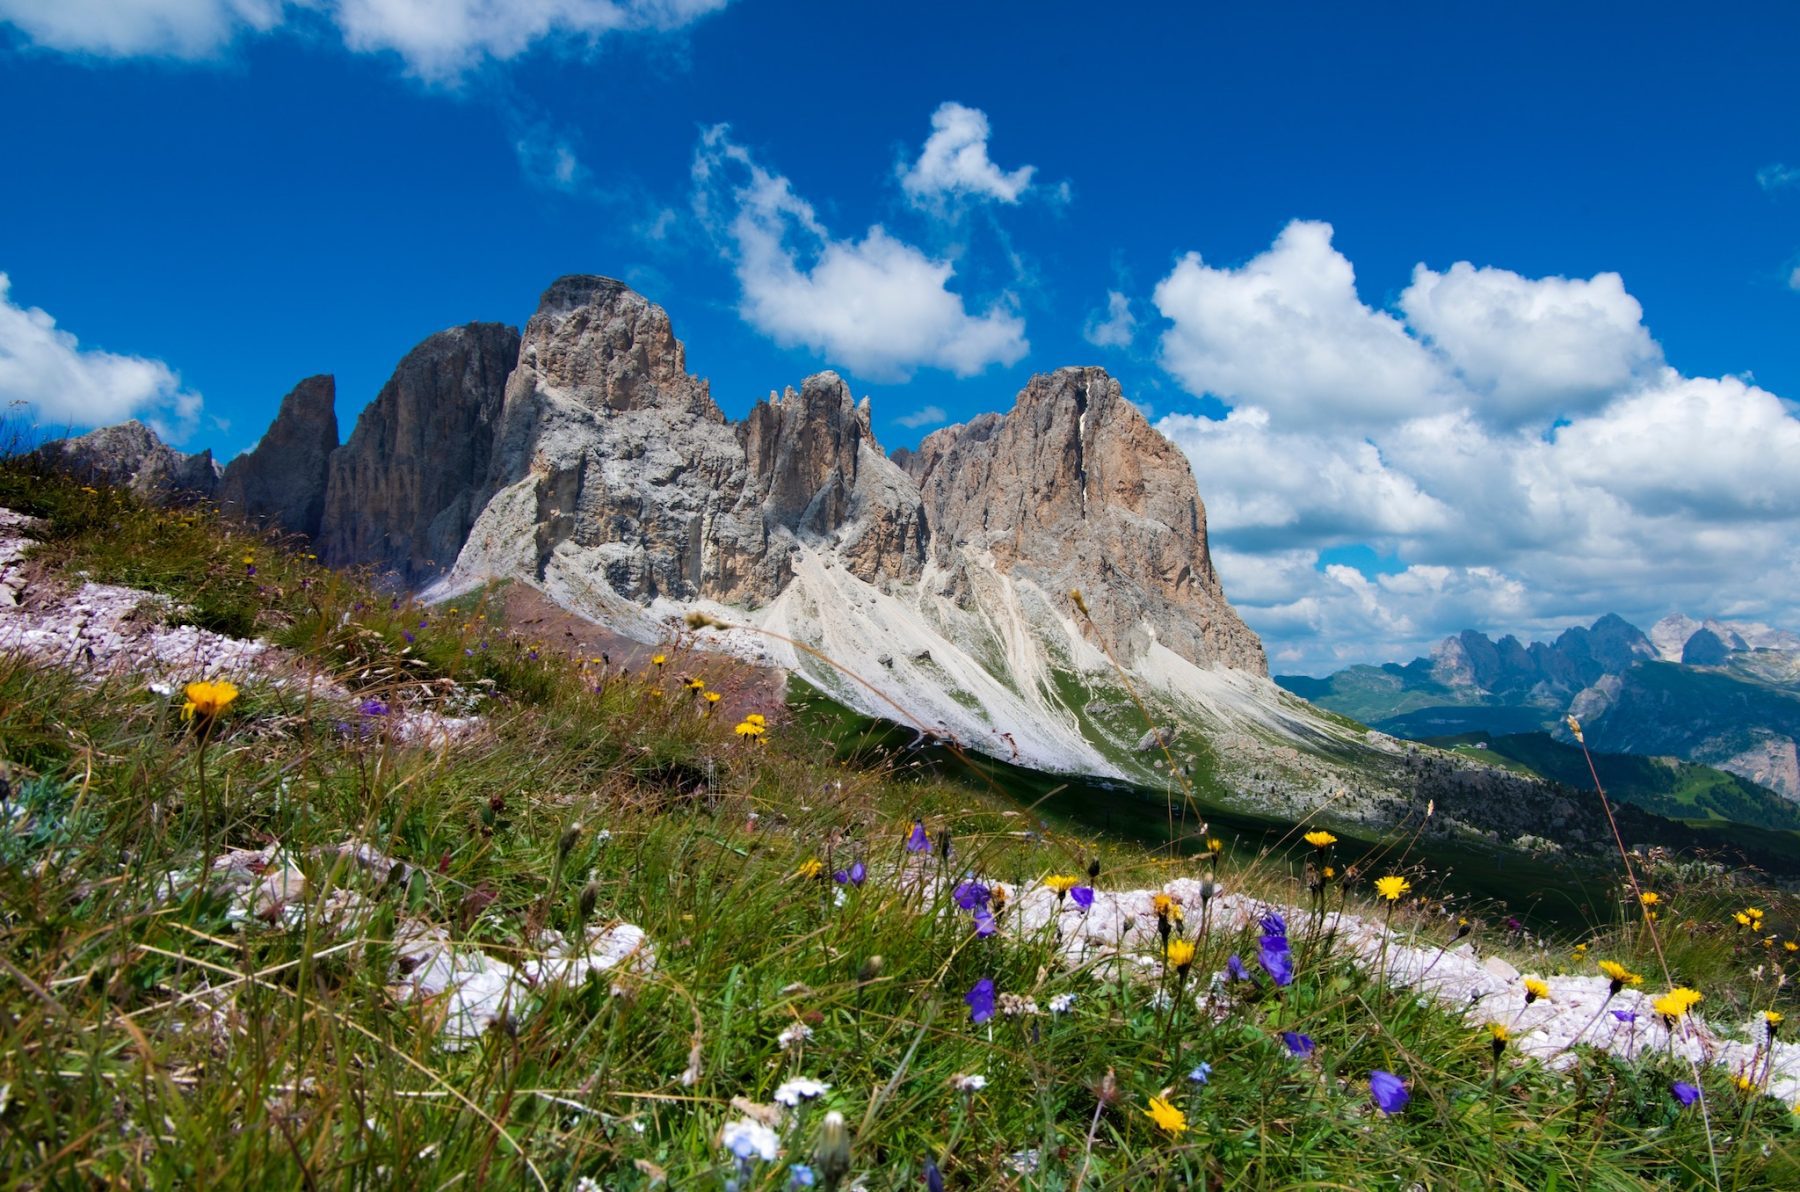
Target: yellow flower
{"type": "Point", "coordinates": [207, 699]}
{"type": "Point", "coordinates": [1791, 946]}
{"type": "Point", "coordinates": [1649, 898]}
{"type": "Point", "coordinates": [1062, 883]}
{"type": "Point", "coordinates": [1166, 907]}
{"type": "Point", "coordinates": [1320, 839]}
{"type": "Point", "coordinates": [1168, 1119]}
{"type": "Point", "coordinates": [1499, 1032]}
{"type": "Point", "coordinates": [810, 868]}
{"type": "Point", "coordinates": [756, 718]}
{"type": "Point", "coordinates": [712, 697]}
{"type": "Point", "coordinates": [695, 685]}
{"type": "Point", "coordinates": [1772, 1020]}
{"type": "Point", "coordinates": [1535, 989]}
{"type": "Point", "coordinates": [1743, 1083]}
{"type": "Point", "coordinates": [1331, 871]}
{"type": "Point", "coordinates": [1392, 886]}
{"type": "Point", "coordinates": [658, 659]}
{"type": "Point", "coordinates": [749, 730]}
{"type": "Point", "coordinates": [1676, 1003]}
{"type": "Point", "coordinates": [1214, 845]}
{"type": "Point", "coordinates": [1181, 955]}
{"type": "Point", "coordinates": [1619, 974]}
{"type": "Point", "coordinates": [1743, 920]}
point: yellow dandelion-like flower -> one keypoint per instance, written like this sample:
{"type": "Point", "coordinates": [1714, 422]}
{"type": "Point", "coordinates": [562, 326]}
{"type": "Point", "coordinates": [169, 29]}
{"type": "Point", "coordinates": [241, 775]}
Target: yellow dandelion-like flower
{"type": "Point", "coordinates": [1676, 1003]}
{"type": "Point", "coordinates": [695, 685]}
{"type": "Point", "coordinates": [207, 699]}
{"type": "Point", "coordinates": [1790, 946]}
{"type": "Point", "coordinates": [1180, 955]}
{"type": "Point", "coordinates": [1499, 1031]}
{"type": "Point", "coordinates": [1214, 845]}
{"type": "Point", "coordinates": [1331, 871]}
{"type": "Point", "coordinates": [1320, 839]}
{"type": "Point", "coordinates": [1168, 1119]}
{"type": "Point", "coordinates": [1743, 1083]}
{"type": "Point", "coordinates": [1392, 886]}
{"type": "Point", "coordinates": [658, 659]}
{"type": "Point", "coordinates": [1772, 1020]}
{"type": "Point", "coordinates": [1062, 883]}
{"type": "Point", "coordinates": [1619, 975]}
{"type": "Point", "coordinates": [1166, 907]}
{"type": "Point", "coordinates": [1743, 920]}
{"type": "Point", "coordinates": [1649, 898]}
{"type": "Point", "coordinates": [711, 697]}
{"type": "Point", "coordinates": [1535, 989]}
{"type": "Point", "coordinates": [810, 868]}
{"type": "Point", "coordinates": [757, 719]}
{"type": "Point", "coordinates": [750, 731]}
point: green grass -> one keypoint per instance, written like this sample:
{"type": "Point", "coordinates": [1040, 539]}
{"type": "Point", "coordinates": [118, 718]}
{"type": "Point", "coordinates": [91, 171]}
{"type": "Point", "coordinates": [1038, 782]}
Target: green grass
{"type": "Point", "coordinates": [148, 1039]}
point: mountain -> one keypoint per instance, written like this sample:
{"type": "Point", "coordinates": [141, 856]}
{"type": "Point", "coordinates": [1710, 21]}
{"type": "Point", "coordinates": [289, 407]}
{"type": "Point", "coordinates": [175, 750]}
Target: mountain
{"type": "Point", "coordinates": [1034, 585]}
{"type": "Point", "coordinates": [1722, 694]}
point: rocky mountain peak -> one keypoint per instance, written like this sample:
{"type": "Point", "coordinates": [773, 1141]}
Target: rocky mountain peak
{"type": "Point", "coordinates": [598, 342]}
{"type": "Point", "coordinates": [133, 456]}
{"type": "Point", "coordinates": [281, 481]}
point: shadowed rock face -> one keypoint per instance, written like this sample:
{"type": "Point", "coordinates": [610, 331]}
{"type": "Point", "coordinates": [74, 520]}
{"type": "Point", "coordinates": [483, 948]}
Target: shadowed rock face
{"type": "Point", "coordinates": [131, 456]}
{"type": "Point", "coordinates": [1074, 489]}
{"type": "Point", "coordinates": [281, 482]}
{"type": "Point", "coordinates": [403, 492]}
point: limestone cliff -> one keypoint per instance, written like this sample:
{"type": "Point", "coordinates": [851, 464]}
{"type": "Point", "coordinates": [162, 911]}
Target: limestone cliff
{"type": "Point", "coordinates": [281, 481]}
{"type": "Point", "coordinates": [131, 455]}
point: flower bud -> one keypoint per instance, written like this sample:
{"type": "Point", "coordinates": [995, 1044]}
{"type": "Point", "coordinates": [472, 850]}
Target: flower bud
{"type": "Point", "coordinates": [832, 1157]}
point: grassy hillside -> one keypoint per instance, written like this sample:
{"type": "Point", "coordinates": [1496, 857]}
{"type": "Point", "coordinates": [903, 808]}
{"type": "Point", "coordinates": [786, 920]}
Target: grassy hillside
{"type": "Point", "coordinates": [216, 924]}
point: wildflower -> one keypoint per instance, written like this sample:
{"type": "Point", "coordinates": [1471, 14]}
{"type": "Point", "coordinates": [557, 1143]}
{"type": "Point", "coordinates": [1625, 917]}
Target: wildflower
{"type": "Point", "coordinates": [1297, 1043]}
{"type": "Point", "coordinates": [1790, 946]}
{"type": "Point", "coordinates": [810, 868]}
{"type": "Point", "coordinates": [1320, 839]}
{"type": "Point", "coordinates": [695, 685]}
{"type": "Point", "coordinates": [801, 1176]}
{"type": "Point", "coordinates": [1649, 898]}
{"type": "Point", "coordinates": [832, 1155]}
{"type": "Point", "coordinates": [208, 699]}
{"type": "Point", "coordinates": [794, 1035]}
{"type": "Point", "coordinates": [1214, 845]}
{"type": "Point", "coordinates": [972, 1082]}
{"type": "Point", "coordinates": [800, 1088]}
{"type": "Point", "coordinates": [1061, 1002]}
{"type": "Point", "coordinates": [749, 731]}
{"type": "Point", "coordinates": [1180, 955]}
{"type": "Point", "coordinates": [917, 842]}
{"type": "Point", "coordinates": [657, 660]}
{"type": "Point", "coordinates": [758, 719]}
{"type": "Point", "coordinates": [711, 698]}
{"type": "Point", "coordinates": [1743, 920]}
{"type": "Point", "coordinates": [1015, 1005]}
{"type": "Point", "coordinates": [1062, 883]}
{"type": "Point", "coordinates": [1535, 989]}
{"type": "Point", "coordinates": [1234, 968]}
{"type": "Point", "coordinates": [1675, 1004]}
{"type": "Point", "coordinates": [981, 1000]}
{"type": "Point", "coordinates": [1743, 1083]}
{"type": "Point", "coordinates": [934, 1179]}
{"type": "Point", "coordinates": [1392, 887]}
{"type": "Point", "coordinates": [748, 1139]}
{"type": "Point", "coordinates": [1272, 950]}
{"type": "Point", "coordinates": [1772, 1022]}
{"type": "Point", "coordinates": [1463, 927]}
{"type": "Point", "coordinates": [1625, 1015]}
{"type": "Point", "coordinates": [985, 923]}
{"type": "Point", "coordinates": [372, 707]}
{"type": "Point", "coordinates": [1389, 1091]}
{"type": "Point", "coordinates": [1499, 1034]}
{"type": "Point", "coordinates": [1168, 1119]}
{"type": "Point", "coordinates": [856, 875]}
{"type": "Point", "coordinates": [1201, 1074]}
{"type": "Point", "coordinates": [1684, 1092]}
{"type": "Point", "coordinates": [1082, 897]}
{"type": "Point", "coordinates": [970, 894]}
{"type": "Point", "coordinates": [1619, 975]}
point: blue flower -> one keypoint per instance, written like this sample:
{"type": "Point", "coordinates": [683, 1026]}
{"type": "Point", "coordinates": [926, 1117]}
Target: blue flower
{"type": "Point", "coordinates": [984, 922]}
{"type": "Point", "coordinates": [1274, 924]}
{"type": "Point", "coordinates": [1082, 896]}
{"type": "Point", "coordinates": [1234, 968]}
{"type": "Point", "coordinates": [1199, 1075]}
{"type": "Point", "coordinates": [1389, 1091]}
{"type": "Point", "coordinates": [1625, 1015]}
{"type": "Point", "coordinates": [856, 875]}
{"type": "Point", "coordinates": [1275, 957]}
{"type": "Point", "coordinates": [1684, 1092]}
{"type": "Point", "coordinates": [970, 894]}
{"type": "Point", "coordinates": [981, 1000]}
{"type": "Point", "coordinates": [918, 842]}
{"type": "Point", "coordinates": [800, 1176]}
{"type": "Point", "coordinates": [1299, 1044]}
{"type": "Point", "coordinates": [373, 707]}
{"type": "Point", "coordinates": [934, 1179]}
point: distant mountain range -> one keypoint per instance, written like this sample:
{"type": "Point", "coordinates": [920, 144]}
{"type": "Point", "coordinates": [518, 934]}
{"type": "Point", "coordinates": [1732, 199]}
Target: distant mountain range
{"type": "Point", "coordinates": [1723, 694]}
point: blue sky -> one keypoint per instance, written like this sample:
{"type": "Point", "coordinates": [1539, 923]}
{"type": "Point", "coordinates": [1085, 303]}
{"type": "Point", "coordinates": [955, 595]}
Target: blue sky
{"type": "Point", "coordinates": [1580, 405]}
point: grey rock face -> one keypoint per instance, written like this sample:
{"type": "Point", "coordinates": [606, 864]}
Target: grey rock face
{"type": "Point", "coordinates": [282, 481]}
{"type": "Point", "coordinates": [1074, 489]}
{"type": "Point", "coordinates": [132, 456]}
{"type": "Point", "coordinates": [402, 493]}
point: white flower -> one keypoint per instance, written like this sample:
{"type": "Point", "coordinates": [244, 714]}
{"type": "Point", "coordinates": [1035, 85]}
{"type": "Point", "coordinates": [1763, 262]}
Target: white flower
{"type": "Point", "coordinates": [163, 689]}
{"type": "Point", "coordinates": [800, 1088]}
{"type": "Point", "coordinates": [971, 1083]}
{"type": "Point", "coordinates": [602, 836]}
{"type": "Point", "coordinates": [794, 1035]}
{"type": "Point", "coordinates": [749, 1139]}
{"type": "Point", "coordinates": [838, 897]}
{"type": "Point", "coordinates": [1061, 1002]}
{"type": "Point", "coordinates": [587, 1183]}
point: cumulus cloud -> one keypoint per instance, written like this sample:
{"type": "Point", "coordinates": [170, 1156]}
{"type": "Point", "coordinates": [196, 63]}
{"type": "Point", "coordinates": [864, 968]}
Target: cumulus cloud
{"type": "Point", "coordinates": [1287, 332]}
{"type": "Point", "coordinates": [45, 370]}
{"type": "Point", "coordinates": [877, 305]}
{"type": "Point", "coordinates": [437, 39]}
{"type": "Point", "coordinates": [1776, 176]}
{"type": "Point", "coordinates": [1535, 464]}
{"type": "Point", "coordinates": [1115, 328]}
{"type": "Point", "coordinates": [924, 416]}
{"type": "Point", "coordinates": [1531, 350]}
{"type": "Point", "coordinates": [954, 162]}
{"type": "Point", "coordinates": [548, 160]}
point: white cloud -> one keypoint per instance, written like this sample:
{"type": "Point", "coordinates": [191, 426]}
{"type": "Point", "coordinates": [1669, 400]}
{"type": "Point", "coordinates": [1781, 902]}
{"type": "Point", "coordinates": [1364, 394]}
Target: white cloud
{"type": "Point", "coordinates": [1547, 469]}
{"type": "Point", "coordinates": [438, 40]}
{"type": "Point", "coordinates": [1286, 331]}
{"type": "Point", "coordinates": [547, 160]}
{"type": "Point", "coordinates": [877, 305]}
{"type": "Point", "coordinates": [45, 369]}
{"type": "Point", "coordinates": [1116, 328]}
{"type": "Point", "coordinates": [1531, 349]}
{"type": "Point", "coordinates": [954, 162]}
{"type": "Point", "coordinates": [1775, 176]}
{"type": "Point", "coordinates": [129, 28]}
{"type": "Point", "coordinates": [1794, 279]}
{"type": "Point", "coordinates": [925, 416]}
